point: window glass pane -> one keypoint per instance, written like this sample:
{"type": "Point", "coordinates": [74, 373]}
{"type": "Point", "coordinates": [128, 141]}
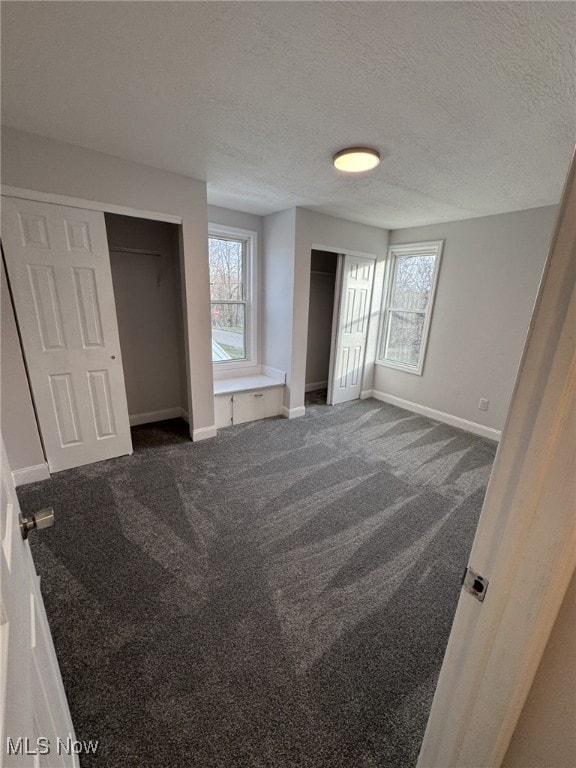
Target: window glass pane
{"type": "Point", "coordinates": [404, 337]}
{"type": "Point", "coordinates": [228, 332]}
{"type": "Point", "coordinates": [413, 282]}
{"type": "Point", "coordinates": [226, 269]}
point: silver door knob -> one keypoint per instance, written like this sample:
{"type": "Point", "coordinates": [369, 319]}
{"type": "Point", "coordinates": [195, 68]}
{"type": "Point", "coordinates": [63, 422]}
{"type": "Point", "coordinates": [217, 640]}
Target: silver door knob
{"type": "Point", "coordinates": [42, 519]}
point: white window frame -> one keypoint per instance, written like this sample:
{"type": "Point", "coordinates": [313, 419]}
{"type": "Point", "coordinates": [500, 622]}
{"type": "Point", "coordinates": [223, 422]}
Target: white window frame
{"type": "Point", "coordinates": [250, 292]}
{"type": "Point", "coordinates": [433, 247]}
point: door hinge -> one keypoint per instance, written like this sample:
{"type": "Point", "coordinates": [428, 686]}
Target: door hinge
{"type": "Point", "coordinates": [474, 583]}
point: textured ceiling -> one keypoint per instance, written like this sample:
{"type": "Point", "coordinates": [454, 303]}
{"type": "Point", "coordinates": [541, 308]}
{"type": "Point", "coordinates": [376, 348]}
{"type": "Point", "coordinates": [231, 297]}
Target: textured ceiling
{"type": "Point", "coordinates": [471, 104]}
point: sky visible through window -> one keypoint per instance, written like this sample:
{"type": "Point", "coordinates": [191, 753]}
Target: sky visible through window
{"type": "Point", "coordinates": [228, 298]}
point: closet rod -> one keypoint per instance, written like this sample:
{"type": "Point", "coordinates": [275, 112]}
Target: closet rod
{"type": "Point", "coordinates": [144, 252]}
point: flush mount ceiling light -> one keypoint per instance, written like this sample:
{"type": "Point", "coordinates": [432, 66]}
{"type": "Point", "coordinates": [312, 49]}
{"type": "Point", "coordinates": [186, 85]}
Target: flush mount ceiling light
{"type": "Point", "coordinates": [356, 159]}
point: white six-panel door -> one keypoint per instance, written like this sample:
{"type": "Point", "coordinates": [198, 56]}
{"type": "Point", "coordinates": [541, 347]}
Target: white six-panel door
{"type": "Point", "coordinates": [352, 331]}
{"type": "Point", "coordinates": [59, 271]}
{"type": "Point", "coordinates": [34, 713]}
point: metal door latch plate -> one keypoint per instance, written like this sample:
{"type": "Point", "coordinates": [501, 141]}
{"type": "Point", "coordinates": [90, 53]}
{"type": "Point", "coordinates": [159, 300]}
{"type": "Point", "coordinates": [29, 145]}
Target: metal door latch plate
{"type": "Point", "coordinates": [475, 584]}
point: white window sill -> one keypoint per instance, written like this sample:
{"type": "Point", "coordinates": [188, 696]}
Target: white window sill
{"type": "Point", "coordinates": [245, 384]}
{"type": "Point", "coordinates": [397, 367]}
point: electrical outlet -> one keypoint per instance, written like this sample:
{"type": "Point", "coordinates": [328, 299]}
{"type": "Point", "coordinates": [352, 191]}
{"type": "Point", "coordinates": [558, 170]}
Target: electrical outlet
{"type": "Point", "coordinates": [483, 404]}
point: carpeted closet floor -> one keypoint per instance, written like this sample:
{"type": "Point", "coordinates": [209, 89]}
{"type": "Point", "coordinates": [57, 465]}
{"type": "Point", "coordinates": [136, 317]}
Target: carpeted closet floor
{"type": "Point", "coordinates": [280, 596]}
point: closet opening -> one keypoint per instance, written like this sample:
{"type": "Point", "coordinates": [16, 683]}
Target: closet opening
{"type": "Point", "coordinates": [320, 325]}
{"type": "Point", "coordinates": [146, 277]}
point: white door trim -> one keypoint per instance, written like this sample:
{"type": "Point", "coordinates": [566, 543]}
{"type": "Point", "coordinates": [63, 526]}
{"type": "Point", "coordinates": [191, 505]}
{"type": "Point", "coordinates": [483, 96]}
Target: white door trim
{"type": "Point", "coordinates": [90, 205]}
{"type": "Point", "coordinates": [335, 325]}
{"type": "Point", "coordinates": [525, 544]}
{"type": "Point", "coordinates": [345, 251]}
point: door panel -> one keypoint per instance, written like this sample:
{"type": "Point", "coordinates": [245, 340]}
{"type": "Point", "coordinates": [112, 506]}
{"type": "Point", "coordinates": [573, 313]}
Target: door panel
{"type": "Point", "coordinates": [248, 406]}
{"type": "Point", "coordinates": [352, 330]}
{"type": "Point", "coordinates": [59, 270]}
{"type": "Point", "coordinates": [48, 315]}
{"type": "Point", "coordinates": [101, 404]}
{"type": "Point", "coordinates": [88, 307]}
{"type": "Point", "coordinates": [32, 700]}
{"type": "Point", "coordinates": [65, 409]}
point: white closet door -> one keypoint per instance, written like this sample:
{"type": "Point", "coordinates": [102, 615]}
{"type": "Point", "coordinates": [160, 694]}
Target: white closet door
{"type": "Point", "coordinates": [353, 317]}
{"type": "Point", "coordinates": [59, 270]}
{"type": "Point", "coordinates": [34, 712]}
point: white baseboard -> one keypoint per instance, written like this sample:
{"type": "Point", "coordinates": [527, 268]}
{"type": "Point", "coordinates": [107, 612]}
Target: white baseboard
{"type": "Point", "coordinates": [30, 474]}
{"type": "Point", "coordinates": [148, 418]}
{"type": "Point", "coordinates": [366, 394]}
{"type": "Point", "coordinates": [446, 418]}
{"type": "Point", "coordinates": [274, 373]}
{"type": "Point", "coordinates": [203, 433]}
{"type": "Point", "coordinates": [293, 413]}
{"type": "Point", "coordinates": [315, 385]}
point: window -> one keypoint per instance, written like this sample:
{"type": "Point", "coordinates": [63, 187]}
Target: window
{"type": "Point", "coordinates": [231, 296]}
{"type": "Point", "coordinates": [410, 284]}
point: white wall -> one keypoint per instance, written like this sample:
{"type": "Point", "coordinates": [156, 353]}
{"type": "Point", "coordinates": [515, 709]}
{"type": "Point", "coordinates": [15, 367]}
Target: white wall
{"type": "Point", "coordinates": [17, 419]}
{"type": "Point", "coordinates": [320, 314]}
{"type": "Point", "coordinates": [490, 271]}
{"type": "Point", "coordinates": [147, 312]}
{"type": "Point", "coordinates": [545, 734]}
{"type": "Point", "coordinates": [488, 280]}
{"type": "Point", "coordinates": [278, 292]}
{"type": "Point", "coordinates": [229, 218]}
{"type": "Point", "coordinates": [318, 230]}
{"type": "Point", "coordinates": [39, 163]}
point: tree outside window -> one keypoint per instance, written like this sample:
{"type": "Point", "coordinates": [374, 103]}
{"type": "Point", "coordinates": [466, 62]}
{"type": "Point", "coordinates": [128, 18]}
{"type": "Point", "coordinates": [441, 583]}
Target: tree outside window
{"type": "Point", "coordinates": [410, 287]}
{"type": "Point", "coordinates": [228, 294]}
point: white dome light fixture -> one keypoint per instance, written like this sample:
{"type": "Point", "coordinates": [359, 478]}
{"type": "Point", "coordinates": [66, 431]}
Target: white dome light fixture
{"type": "Point", "coordinates": [356, 159]}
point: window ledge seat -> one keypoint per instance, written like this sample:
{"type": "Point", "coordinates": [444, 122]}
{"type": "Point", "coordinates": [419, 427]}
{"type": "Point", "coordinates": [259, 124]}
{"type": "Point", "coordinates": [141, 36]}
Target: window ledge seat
{"type": "Point", "coordinates": [245, 384]}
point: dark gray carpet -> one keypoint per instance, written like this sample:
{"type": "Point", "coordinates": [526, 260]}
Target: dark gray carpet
{"type": "Point", "coordinates": [279, 596]}
{"type": "Point", "coordinates": [316, 397]}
